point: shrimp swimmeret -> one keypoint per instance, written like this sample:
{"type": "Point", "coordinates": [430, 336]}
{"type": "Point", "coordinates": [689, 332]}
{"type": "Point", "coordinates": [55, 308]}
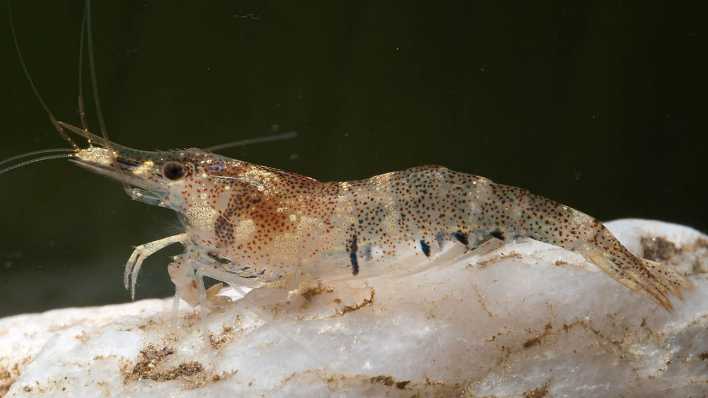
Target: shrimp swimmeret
{"type": "Point", "coordinates": [248, 222]}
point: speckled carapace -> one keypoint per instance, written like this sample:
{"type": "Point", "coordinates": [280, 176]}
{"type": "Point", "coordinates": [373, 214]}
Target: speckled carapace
{"type": "Point", "coordinates": [246, 222]}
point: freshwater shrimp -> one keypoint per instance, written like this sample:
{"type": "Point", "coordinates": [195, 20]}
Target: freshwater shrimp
{"type": "Point", "coordinates": [244, 221]}
{"type": "Point", "coordinates": [248, 224]}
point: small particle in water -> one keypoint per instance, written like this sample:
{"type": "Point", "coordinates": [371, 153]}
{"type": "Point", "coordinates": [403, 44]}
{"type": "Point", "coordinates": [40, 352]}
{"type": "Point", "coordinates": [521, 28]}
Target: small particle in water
{"type": "Point", "coordinates": [578, 175]}
{"type": "Point", "coordinates": [250, 16]}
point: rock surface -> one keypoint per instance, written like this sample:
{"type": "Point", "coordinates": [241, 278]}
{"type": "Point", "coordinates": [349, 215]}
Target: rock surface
{"type": "Point", "coordinates": [529, 320]}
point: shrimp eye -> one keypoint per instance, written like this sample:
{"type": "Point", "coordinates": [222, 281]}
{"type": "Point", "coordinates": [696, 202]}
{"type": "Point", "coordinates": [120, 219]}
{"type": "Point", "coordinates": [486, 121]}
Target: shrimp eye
{"type": "Point", "coordinates": [173, 170]}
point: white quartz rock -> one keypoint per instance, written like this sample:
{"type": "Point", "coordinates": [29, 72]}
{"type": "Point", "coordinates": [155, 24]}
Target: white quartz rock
{"type": "Point", "coordinates": [529, 320]}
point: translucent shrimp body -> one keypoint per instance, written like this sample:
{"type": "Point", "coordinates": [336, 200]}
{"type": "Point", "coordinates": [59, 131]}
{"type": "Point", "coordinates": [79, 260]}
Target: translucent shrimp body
{"type": "Point", "coordinates": [246, 223]}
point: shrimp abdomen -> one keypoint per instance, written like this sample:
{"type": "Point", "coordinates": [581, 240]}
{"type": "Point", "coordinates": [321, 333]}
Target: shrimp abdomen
{"type": "Point", "coordinates": [533, 216]}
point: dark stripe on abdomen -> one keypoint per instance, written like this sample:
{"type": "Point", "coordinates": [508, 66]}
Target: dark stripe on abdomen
{"type": "Point", "coordinates": [353, 255]}
{"type": "Point", "coordinates": [425, 247]}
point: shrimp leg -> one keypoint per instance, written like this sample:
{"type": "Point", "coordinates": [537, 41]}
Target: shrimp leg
{"type": "Point", "coordinates": [132, 267]}
{"type": "Point", "coordinates": [182, 275]}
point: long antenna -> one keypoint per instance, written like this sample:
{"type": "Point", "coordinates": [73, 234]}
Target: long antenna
{"type": "Point", "coordinates": [82, 108]}
{"type": "Point", "coordinates": [92, 67]}
{"type": "Point", "coordinates": [36, 160]}
{"type": "Point", "coordinates": [32, 153]}
{"type": "Point", "coordinates": [248, 141]}
{"type": "Point", "coordinates": [52, 119]}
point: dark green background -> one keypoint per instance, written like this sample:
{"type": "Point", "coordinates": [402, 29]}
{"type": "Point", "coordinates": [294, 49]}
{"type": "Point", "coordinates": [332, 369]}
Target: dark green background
{"type": "Point", "coordinates": [593, 104]}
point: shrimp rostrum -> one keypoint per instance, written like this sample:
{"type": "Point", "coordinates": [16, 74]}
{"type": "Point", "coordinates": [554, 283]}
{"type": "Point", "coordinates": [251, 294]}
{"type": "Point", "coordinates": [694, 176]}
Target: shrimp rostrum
{"type": "Point", "coordinates": [244, 222]}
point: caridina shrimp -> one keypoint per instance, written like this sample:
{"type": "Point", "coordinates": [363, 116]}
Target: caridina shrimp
{"type": "Point", "coordinates": [245, 222]}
